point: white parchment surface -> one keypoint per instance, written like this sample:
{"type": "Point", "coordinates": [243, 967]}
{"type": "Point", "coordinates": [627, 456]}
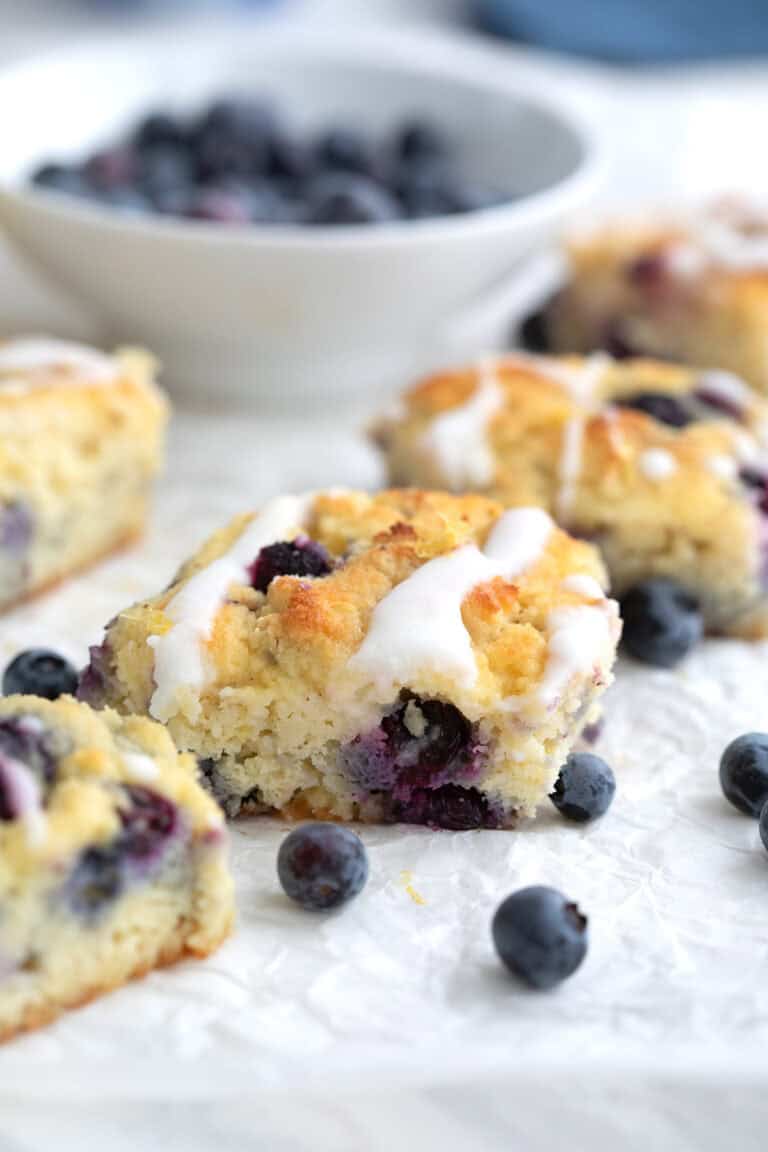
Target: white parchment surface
{"type": "Point", "coordinates": [398, 1003]}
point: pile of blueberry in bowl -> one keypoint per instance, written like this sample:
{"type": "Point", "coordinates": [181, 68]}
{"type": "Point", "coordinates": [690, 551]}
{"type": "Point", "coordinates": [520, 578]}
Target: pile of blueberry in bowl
{"type": "Point", "coordinates": [236, 163]}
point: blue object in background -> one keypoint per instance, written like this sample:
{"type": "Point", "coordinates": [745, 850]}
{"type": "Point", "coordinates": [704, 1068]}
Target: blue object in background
{"type": "Point", "coordinates": [637, 31]}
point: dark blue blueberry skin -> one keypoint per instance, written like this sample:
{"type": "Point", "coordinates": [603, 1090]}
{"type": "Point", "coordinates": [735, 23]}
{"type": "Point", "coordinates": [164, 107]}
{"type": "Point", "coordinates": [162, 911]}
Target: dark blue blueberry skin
{"type": "Point", "coordinates": [391, 758]}
{"type": "Point", "coordinates": [419, 142]}
{"type": "Point", "coordinates": [533, 334]}
{"type": "Point", "coordinates": [299, 557]}
{"type": "Point", "coordinates": [23, 741]}
{"type": "Point", "coordinates": [95, 882]}
{"type": "Point", "coordinates": [449, 806]}
{"type": "Point", "coordinates": [763, 826]}
{"type": "Point", "coordinates": [662, 406]}
{"type": "Point", "coordinates": [16, 527]}
{"type": "Point", "coordinates": [662, 622]}
{"type": "Point", "coordinates": [322, 866]}
{"type": "Point", "coordinates": [343, 150]}
{"type": "Point", "coordinates": [584, 789]}
{"type": "Point", "coordinates": [540, 936]}
{"type": "Point", "coordinates": [103, 872]}
{"type": "Point", "coordinates": [345, 198]}
{"type": "Point", "coordinates": [159, 129]}
{"type": "Point", "coordinates": [40, 672]}
{"type": "Point", "coordinates": [744, 773]}
{"type": "Point", "coordinates": [149, 820]}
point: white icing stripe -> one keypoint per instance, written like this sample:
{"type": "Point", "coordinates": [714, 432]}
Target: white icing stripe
{"type": "Point", "coordinates": [581, 642]}
{"type": "Point", "coordinates": [139, 765]}
{"type": "Point", "coordinates": [726, 245]}
{"type": "Point", "coordinates": [458, 439]}
{"type": "Point", "coordinates": [657, 464]}
{"type": "Point", "coordinates": [581, 386]}
{"type": "Point", "coordinates": [727, 386]}
{"type": "Point", "coordinates": [37, 354]}
{"type": "Point", "coordinates": [180, 663]}
{"type": "Point", "coordinates": [724, 467]}
{"type": "Point", "coordinates": [583, 585]}
{"type": "Point", "coordinates": [418, 626]}
{"type": "Point", "coordinates": [570, 466]}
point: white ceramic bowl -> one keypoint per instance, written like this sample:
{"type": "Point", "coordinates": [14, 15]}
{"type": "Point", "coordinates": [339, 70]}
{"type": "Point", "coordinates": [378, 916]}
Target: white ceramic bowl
{"type": "Point", "coordinates": [288, 313]}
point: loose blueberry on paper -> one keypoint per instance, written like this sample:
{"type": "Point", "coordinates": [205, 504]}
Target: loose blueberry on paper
{"type": "Point", "coordinates": [744, 773]}
{"type": "Point", "coordinates": [540, 936]}
{"type": "Point", "coordinates": [40, 672]}
{"type": "Point", "coordinates": [662, 622]}
{"type": "Point", "coordinates": [585, 787]}
{"type": "Point", "coordinates": [322, 866]}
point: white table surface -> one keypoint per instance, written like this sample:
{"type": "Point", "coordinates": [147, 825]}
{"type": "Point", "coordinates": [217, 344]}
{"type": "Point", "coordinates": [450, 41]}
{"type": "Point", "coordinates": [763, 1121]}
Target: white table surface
{"type": "Point", "coordinates": [391, 1027]}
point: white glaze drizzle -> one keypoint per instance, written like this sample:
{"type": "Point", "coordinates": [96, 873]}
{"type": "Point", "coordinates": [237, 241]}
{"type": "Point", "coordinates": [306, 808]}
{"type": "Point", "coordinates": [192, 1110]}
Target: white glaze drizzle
{"type": "Point", "coordinates": [180, 662]}
{"type": "Point", "coordinates": [37, 354]}
{"type": "Point", "coordinates": [657, 464]}
{"type": "Point", "coordinates": [581, 386]}
{"type": "Point", "coordinates": [418, 626]}
{"type": "Point", "coordinates": [458, 439]}
{"type": "Point", "coordinates": [139, 765]}
{"type": "Point", "coordinates": [722, 466]}
{"type": "Point", "coordinates": [581, 642]}
{"type": "Point", "coordinates": [583, 585]}
{"type": "Point", "coordinates": [727, 246]}
{"type": "Point", "coordinates": [726, 385]}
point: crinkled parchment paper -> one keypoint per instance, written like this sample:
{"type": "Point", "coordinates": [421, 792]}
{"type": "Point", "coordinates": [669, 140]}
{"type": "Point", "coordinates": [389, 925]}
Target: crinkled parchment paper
{"type": "Point", "coordinates": [391, 1024]}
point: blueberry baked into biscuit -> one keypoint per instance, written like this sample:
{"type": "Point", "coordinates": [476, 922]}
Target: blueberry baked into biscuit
{"type": "Point", "coordinates": [664, 468]}
{"type": "Point", "coordinates": [408, 656]}
{"type": "Point", "coordinates": [112, 857]}
{"type": "Point", "coordinates": [81, 437]}
{"type": "Point", "coordinates": [693, 290]}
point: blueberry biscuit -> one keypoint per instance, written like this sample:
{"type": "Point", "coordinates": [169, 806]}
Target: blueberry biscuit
{"type": "Point", "coordinates": [662, 467]}
{"type": "Point", "coordinates": [409, 656]}
{"type": "Point", "coordinates": [81, 437]}
{"type": "Point", "coordinates": [693, 290]}
{"type": "Point", "coordinates": [112, 857]}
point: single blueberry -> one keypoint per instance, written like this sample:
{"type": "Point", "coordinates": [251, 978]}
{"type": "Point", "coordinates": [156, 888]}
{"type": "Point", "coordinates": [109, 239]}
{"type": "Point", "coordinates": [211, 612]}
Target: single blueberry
{"type": "Point", "coordinates": [344, 198]}
{"type": "Point", "coordinates": [343, 150]}
{"type": "Point", "coordinates": [289, 158]}
{"type": "Point", "coordinates": [148, 821]}
{"type": "Point", "coordinates": [744, 772]}
{"type": "Point", "coordinates": [662, 406]}
{"type": "Point", "coordinates": [533, 334]}
{"type": "Point", "coordinates": [299, 557]}
{"type": "Point", "coordinates": [662, 622]}
{"type": "Point", "coordinates": [233, 139]}
{"type": "Point", "coordinates": [95, 882]}
{"type": "Point", "coordinates": [540, 936]}
{"type": "Point", "coordinates": [160, 129]}
{"type": "Point", "coordinates": [649, 272]}
{"type": "Point", "coordinates": [40, 672]}
{"type": "Point", "coordinates": [585, 787]}
{"type": "Point", "coordinates": [418, 141]}
{"type": "Point", "coordinates": [322, 866]}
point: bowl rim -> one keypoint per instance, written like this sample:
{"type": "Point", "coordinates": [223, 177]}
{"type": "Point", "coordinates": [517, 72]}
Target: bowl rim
{"type": "Point", "coordinates": [423, 49]}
